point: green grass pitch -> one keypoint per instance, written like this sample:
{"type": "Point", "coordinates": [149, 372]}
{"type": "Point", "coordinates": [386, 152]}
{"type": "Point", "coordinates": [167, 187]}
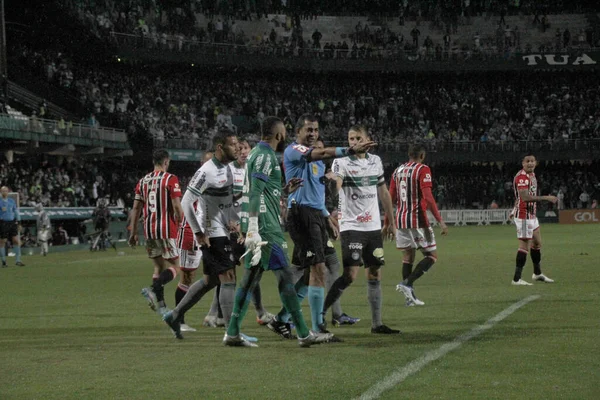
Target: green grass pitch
{"type": "Point", "coordinates": [74, 326]}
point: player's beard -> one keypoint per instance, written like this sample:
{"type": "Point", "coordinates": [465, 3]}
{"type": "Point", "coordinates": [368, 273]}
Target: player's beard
{"type": "Point", "coordinates": [280, 147]}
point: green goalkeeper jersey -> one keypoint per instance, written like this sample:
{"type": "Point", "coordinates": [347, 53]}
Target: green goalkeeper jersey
{"type": "Point", "coordinates": [262, 191]}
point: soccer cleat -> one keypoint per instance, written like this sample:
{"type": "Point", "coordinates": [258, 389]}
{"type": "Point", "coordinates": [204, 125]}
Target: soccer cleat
{"type": "Point", "coordinates": [264, 318]}
{"type": "Point", "coordinates": [407, 291]}
{"type": "Point", "coordinates": [520, 282]}
{"type": "Point", "coordinates": [249, 338]}
{"type": "Point", "coordinates": [187, 328]}
{"type": "Point", "coordinates": [281, 328]}
{"type": "Point", "coordinates": [315, 338]}
{"type": "Point", "coordinates": [344, 319]}
{"type": "Point", "coordinates": [19, 264]}
{"type": "Point", "coordinates": [384, 329]}
{"type": "Point", "coordinates": [237, 341]}
{"type": "Point", "coordinates": [149, 294]}
{"type": "Point", "coordinates": [323, 330]}
{"type": "Point", "coordinates": [542, 278]}
{"type": "Point", "coordinates": [173, 324]}
{"type": "Point", "coordinates": [220, 322]}
{"type": "Point", "coordinates": [210, 321]}
{"type": "Point", "coordinates": [162, 311]}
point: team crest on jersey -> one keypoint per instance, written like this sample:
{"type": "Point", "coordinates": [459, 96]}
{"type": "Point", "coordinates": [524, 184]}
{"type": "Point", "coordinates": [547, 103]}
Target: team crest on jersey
{"type": "Point", "coordinates": [365, 218]}
{"type": "Point", "coordinates": [355, 255]}
{"type": "Point", "coordinates": [378, 253]}
{"type": "Point", "coordinates": [365, 181]}
{"type": "Point", "coordinates": [315, 169]}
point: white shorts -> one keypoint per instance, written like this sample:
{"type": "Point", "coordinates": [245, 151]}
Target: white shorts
{"type": "Point", "coordinates": [43, 235]}
{"type": "Point", "coordinates": [414, 238]}
{"type": "Point", "coordinates": [525, 227]}
{"type": "Point", "coordinates": [164, 248]}
{"type": "Point", "coordinates": [189, 260]}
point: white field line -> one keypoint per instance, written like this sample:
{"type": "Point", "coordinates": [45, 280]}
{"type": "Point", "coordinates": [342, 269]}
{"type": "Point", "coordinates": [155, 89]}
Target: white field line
{"type": "Point", "coordinates": [400, 374]}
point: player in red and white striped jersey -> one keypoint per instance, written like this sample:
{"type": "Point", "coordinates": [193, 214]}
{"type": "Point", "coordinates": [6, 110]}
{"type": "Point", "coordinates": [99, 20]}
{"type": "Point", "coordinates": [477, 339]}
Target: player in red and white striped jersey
{"type": "Point", "coordinates": [410, 188]}
{"type": "Point", "coordinates": [190, 255]}
{"type": "Point", "coordinates": [158, 195]}
{"type": "Point", "coordinates": [528, 226]}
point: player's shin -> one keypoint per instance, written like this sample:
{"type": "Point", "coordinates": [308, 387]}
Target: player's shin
{"type": "Point", "coordinates": [316, 300]}
{"type": "Point", "coordinates": [375, 301]}
{"type": "Point", "coordinates": [3, 253]}
{"type": "Point", "coordinates": [420, 269]}
{"type": "Point", "coordinates": [165, 277]}
{"type": "Point", "coordinates": [17, 249]}
{"type": "Point", "coordinates": [180, 294]}
{"type": "Point", "coordinates": [242, 300]}
{"type": "Point", "coordinates": [290, 301]}
{"type": "Point", "coordinates": [226, 300]}
{"type": "Point", "coordinates": [536, 258]}
{"type": "Point", "coordinates": [193, 296]}
{"type": "Point", "coordinates": [301, 291]}
{"type": "Point", "coordinates": [336, 291]}
{"type": "Point", "coordinates": [520, 263]}
{"type": "Point", "coordinates": [406, 270]}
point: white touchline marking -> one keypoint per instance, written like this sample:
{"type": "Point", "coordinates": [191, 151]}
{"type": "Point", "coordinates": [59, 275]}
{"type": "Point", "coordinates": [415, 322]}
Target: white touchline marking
{"type": "Point", "coordinates": [400, 374]}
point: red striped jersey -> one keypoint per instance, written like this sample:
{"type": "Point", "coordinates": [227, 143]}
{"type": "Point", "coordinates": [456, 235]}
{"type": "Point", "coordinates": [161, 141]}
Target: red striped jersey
{"type": "Point", "coordinates": [185, 237]}
{"type": "Point", "coordinates": [156, 191]}
{"type": "Point", "coordinates": [525, 181]}
{"type": "Point", "coordinates": [406, 186]}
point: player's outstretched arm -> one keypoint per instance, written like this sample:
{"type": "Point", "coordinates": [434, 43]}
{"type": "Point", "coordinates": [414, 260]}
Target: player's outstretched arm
{"type": "Point", "coordinates": [525, 196]}
{"type": "Point", "coordinates": [338, 152]}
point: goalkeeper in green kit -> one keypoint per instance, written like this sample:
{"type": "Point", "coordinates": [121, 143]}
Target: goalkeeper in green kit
{"type": "Point", "coordinates": [264, 241]}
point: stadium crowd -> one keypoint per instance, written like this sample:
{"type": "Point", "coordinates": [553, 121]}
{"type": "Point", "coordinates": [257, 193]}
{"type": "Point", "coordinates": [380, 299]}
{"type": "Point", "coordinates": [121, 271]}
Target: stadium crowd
{"type": "Point", "coordinates": [191, 104]}
{"type": "Point", "coordinates": [74, 183]}
{"type": "Point", "coordinates": [168, 28]}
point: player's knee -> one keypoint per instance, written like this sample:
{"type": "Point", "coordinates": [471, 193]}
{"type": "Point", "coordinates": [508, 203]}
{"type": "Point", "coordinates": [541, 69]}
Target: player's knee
{"type": "Point", "coordinates": [187, 277]}
{"type": "Point", "coordinates": [432, 255]}
{"type": "Point", "coordinates": [227, 276]}
{"type": "Point", "coordinates": [373, 272]}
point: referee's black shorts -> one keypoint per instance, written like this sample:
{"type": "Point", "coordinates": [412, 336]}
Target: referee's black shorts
{"type": "Point", "coordinates": [308, 229]}
{"type": "Point", "coordinates": [8, 229]}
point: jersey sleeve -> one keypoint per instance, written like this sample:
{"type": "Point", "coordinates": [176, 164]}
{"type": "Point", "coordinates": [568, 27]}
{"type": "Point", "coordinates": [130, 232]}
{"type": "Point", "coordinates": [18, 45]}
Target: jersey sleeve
{"type": "Point", "coordinates": [522, 182]}
{"type": "Point", "coordinates": [380, 173]}
{"type": "Point", "coordinates": [263, 167]}
{"type": "Point", "coordinates": [338, 168]}
{"type": "Point", "coordinates": [198, 184]}
{"type": "Point", "coordinates": [173, 187]}
{"type": "Point", "coordinates": [425, 180]}
{"type": "Point", "coordinates": [297, 154]}
{"type": "Point", "coordinates": [138, 192]}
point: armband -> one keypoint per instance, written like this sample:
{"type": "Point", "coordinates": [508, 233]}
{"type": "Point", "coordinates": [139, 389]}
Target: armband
{"type": "Point", "coordinates": [342, 151]}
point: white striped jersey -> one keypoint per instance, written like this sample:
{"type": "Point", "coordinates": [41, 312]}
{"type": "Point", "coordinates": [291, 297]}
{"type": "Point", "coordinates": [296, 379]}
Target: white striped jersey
{"type": "Point", "coordinates": [239, 176]}
{"type": "Point", "coordinates": [212, 187]}
{"type": "Point", "coordinates": [358, 208]}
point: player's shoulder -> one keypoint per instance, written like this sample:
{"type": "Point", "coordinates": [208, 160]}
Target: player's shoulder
{"type": "Point", "coordinates": [374, 159]}
{"type": "Point", "coordinates": [521, 173]}
{"type": "Point", "coordinates": [297, 148]}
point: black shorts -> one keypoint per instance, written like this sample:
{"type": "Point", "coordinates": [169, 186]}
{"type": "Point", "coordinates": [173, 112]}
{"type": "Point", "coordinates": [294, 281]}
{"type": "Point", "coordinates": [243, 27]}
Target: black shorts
{"type": "Point", "coordinates": [218, 258]}
{"type": "Point", "coordinates": [236, 248]}
{"type": "Point", "coordinates": [362, 248]}
{"type": "Point", "coordinates": [9, 229]}
{"type": "Point", "coordinates": [308, 229]}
